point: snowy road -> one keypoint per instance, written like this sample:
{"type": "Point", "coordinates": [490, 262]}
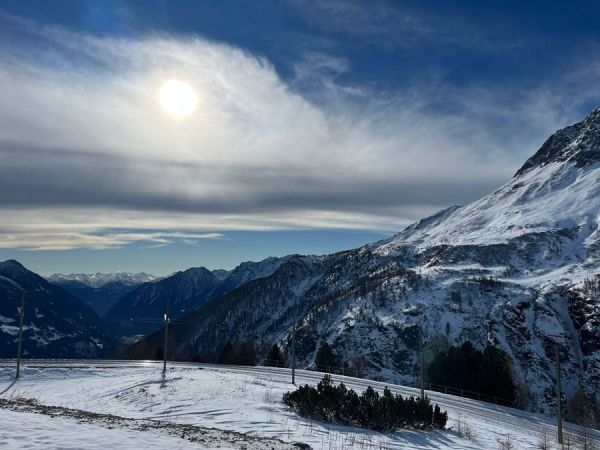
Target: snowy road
{"type": "Point", "coordinates": [109, 386]}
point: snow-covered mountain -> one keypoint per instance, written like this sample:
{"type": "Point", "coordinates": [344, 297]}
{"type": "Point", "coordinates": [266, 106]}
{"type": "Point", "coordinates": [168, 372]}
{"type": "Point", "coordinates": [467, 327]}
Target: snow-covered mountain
{"type": "Point", "coordinates": [185, 291]}
{"type": "Point", "coordinates": [518, 269]}
{"type": "Point", "coordinates": [56, 324]}
{"type": "Point", "coordinates": [97, 280]}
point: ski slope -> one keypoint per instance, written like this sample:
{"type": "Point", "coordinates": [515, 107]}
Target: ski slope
{"type": "Point", "coordinates": [229, 399]}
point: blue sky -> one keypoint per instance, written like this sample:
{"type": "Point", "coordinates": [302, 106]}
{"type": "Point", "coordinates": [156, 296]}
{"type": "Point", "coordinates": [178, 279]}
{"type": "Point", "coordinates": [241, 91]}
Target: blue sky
{"type": "Point", "coordinates": [320, 126]}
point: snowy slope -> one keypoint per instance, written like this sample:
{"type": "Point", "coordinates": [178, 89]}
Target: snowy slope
{"type": "Point", "coordinates": [557, 188]}
{"type": "Point", "coordinates": [248, 400]}
{"type": "Point", "coordinates": [34, 430]}
{"type": "Point", "coordinates": [509, 270]}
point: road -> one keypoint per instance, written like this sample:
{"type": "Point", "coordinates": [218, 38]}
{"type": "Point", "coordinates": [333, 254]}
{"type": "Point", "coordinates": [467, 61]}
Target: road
{"type": "Point", "coordinates": [506, 418]}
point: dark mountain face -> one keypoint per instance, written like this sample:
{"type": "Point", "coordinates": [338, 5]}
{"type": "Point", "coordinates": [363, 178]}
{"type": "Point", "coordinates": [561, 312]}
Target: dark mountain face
{"type": "Point", "coordinates": [140, 311]}
{"type": "Point", "coordinates": [518, 269]}
{"type": "Point", "coordinates": [100, 299]}
{"type": "Point", "coordinates": [56, 324]}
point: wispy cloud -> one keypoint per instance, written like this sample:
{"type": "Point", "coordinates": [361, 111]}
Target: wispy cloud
{"type": "Point", "coordinates": [85, 149]}
{"type": "Point", "coordinates": [399, 25]}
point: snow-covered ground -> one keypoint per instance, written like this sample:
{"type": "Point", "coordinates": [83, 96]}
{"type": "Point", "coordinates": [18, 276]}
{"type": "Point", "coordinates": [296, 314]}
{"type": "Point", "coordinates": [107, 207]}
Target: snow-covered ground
{"type": "Point", "coordinates": [31, 430]}
{"type": "Point", "coordinates": [237, 399]}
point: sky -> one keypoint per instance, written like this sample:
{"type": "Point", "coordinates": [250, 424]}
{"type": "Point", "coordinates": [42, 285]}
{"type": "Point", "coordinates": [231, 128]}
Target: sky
{"type": "Point", "coordinates": [320, 126]}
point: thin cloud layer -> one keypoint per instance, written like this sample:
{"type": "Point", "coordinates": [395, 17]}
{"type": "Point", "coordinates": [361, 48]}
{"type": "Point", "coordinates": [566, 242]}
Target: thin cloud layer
{"type": "Point", "coordinates": [85, 145]}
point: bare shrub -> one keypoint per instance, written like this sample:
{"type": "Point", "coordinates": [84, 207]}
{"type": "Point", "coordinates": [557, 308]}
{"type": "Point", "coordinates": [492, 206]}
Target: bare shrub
{"type": "Point", "coordinates": [543, 443]}
{"type": "Point", "coordinates": [463, 429]}
{"type": "Point", "coordinates": [506, 443]}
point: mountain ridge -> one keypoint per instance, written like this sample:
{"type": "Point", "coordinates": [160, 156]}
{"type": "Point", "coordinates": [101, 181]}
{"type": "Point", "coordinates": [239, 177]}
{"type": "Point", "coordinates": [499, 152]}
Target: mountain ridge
{"type": "Point", "coordinates": [99, 279]}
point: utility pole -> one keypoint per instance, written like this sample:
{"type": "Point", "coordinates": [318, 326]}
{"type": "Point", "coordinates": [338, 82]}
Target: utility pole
{"type": "Point", "coordinates": [294, 346]}
{"type": "Point", "coordinates": [166, 319]}
{"type": "Point", "coordinates": [422, 365]}
{"type": "Point", "coordinates": [558, 397]}
{"type": "Point", "coordinates": [21, 310]}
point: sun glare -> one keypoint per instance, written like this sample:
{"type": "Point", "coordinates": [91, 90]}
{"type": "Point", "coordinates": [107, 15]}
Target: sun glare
{"type": "Point", "coordinates": [178, 98]}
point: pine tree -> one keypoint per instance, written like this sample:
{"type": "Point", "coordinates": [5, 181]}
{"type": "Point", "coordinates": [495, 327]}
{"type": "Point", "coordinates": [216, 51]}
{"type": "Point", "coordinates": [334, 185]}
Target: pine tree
{"type": "Point", "coordinates": [274, 357]}
{"type": "Point", "coordinates": [325, 359]}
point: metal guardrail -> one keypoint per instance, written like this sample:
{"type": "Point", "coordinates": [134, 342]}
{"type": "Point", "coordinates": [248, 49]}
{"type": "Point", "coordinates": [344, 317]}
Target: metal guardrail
{"type": "Point", "coordinates": [358, 373]}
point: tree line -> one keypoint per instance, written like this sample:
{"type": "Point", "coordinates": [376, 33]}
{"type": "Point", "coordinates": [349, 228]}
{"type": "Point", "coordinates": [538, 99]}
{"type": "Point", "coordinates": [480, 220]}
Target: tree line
{"type": "Point", "coordinates": [487, 372]}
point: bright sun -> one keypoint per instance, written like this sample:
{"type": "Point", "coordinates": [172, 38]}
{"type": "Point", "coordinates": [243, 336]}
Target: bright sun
{"type": "Point", "coordinates": [178, 98]}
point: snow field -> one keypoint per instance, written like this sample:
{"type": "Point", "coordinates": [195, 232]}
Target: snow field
{"type": "Point", "coordinates": [241, 400]}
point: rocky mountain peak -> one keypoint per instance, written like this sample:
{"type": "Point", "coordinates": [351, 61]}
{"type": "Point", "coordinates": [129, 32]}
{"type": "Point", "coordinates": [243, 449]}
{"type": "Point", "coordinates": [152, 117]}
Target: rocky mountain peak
{"type": "Point", "coordinates": [579, 143]}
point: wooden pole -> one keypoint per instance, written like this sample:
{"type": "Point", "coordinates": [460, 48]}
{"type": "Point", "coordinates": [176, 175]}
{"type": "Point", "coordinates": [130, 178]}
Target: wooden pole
{"type": "Point", "coordinates": [558, 397]}
{"type": "Point", "coordinates": [21, 310]}
{"type": "Point", "coordinates": [166, 318]}
{"type": "Point", "coordinates": [422, 365]}
{"type": "Point", "coordinates": [294, 346]}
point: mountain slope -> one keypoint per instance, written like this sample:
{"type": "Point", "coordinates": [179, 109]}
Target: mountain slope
{"type": "Point", "coordinates": [557, 188]}
{"type": "Point", "coordinates": [185, 291]}
{"type": "Point", "coordinates": [518, 269]}
{"type": "Point", "coordinates": [56, 324]}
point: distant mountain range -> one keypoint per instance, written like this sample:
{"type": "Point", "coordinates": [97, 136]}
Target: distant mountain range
{"type": "Point", "coordinates": [97, 280]}
{"type": "Point", "coordinates": [56, 324]}
{"type": "Point", "coordinates": [518, 269]}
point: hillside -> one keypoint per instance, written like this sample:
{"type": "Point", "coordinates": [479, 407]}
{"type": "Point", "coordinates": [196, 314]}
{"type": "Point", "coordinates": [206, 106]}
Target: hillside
{"type": "Point", "coordinates": [56, 324]}
{"type": "Point", "coordinates": [517, 269]}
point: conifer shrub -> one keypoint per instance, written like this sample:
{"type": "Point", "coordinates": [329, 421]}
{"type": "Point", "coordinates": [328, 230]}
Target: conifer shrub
{"type": "Point", "coordinates": [381, 412]}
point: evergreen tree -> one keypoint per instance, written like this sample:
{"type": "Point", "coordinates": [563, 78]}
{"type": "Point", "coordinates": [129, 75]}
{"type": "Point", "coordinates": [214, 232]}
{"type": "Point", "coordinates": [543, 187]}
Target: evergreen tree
{"type": "Point", "coordinates": [325, 359]}
{"type": "Point", "coordinates": [247, 353]}
{"type": "Point", "coordinates": [227, 355]}
{"type": "Point", "coordinates": [274, 357]}
{"type": "Point", "coordinates": [243, 353]}
{"type": "Point", "coordinates": [439, 418]}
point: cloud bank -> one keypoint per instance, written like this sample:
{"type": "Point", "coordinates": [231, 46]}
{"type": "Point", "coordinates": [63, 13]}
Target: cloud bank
{"type": "Point", "coordinates": [87, 155]}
